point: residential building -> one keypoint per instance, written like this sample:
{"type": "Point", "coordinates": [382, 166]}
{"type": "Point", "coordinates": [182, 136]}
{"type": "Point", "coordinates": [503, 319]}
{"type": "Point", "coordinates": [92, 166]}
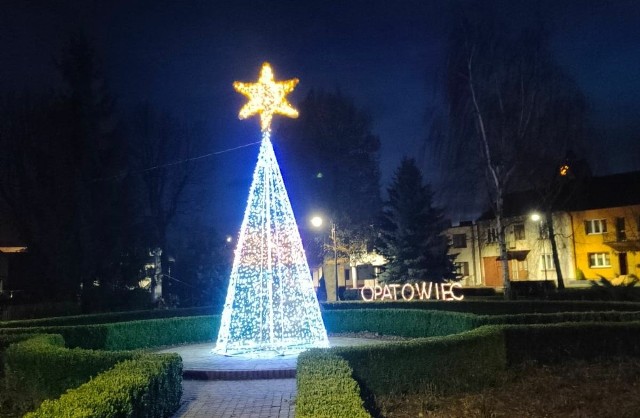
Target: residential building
{"type": "Point", "coordinates": [606, 228]}
{"type": "Point", "coordinates": [463, 244]}
{"type": "Point", "coordinates": [529, 251]}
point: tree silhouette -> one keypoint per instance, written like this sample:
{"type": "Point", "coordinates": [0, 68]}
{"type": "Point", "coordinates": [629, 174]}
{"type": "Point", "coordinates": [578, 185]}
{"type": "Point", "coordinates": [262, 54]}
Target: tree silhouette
{"type": "Point", "coordinates": [412, 235]}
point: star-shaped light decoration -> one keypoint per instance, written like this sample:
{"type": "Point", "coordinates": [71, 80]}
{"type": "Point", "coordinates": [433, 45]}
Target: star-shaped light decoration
{"type": "Point", "coordinates": [267, 97]}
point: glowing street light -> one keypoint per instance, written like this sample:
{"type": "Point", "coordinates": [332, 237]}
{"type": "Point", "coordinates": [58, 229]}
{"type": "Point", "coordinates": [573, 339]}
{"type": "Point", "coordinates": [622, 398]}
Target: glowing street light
{"type": "Point", "coordinates": [317, 222]}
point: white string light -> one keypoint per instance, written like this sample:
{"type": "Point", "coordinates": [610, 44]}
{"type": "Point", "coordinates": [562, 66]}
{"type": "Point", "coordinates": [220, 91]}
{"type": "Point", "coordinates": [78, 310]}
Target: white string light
{"type": "Point", "coordinates": [271, 304]}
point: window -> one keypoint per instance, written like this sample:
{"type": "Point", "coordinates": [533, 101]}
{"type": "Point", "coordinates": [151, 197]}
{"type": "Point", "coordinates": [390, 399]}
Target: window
{"type": "Point", "coordinates": [492, 235]}
{"type": "Point", "coordinates": [595, 226]}
{"type": "Point", "coordinates": [599, 260]}
{"type": "Point", "coordinates": [547, 262]}
{"type": "Point", "coordinates": [518, 232]}
{"type": "Point", "coordinates": [459, 240]}
{"type": "Point", "coordinates": [462, 268]}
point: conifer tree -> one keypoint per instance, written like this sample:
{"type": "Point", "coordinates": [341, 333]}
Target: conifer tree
{"type": "Point", "coordinates": [412, 235]}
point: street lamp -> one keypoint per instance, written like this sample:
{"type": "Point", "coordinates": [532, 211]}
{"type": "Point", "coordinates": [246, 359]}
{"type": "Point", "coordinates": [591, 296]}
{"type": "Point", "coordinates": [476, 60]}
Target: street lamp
{"type": "Point", "coordinates": [317, 222]}
{"type": "Point", "coordinates": [535, 217]}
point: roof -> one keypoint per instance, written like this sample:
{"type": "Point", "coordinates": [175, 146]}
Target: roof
{"type": "Point", "coordinates": [615, 190]}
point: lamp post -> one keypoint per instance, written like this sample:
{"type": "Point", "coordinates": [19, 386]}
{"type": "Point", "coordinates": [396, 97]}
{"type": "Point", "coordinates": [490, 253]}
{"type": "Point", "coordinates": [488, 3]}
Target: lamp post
{"type": "Point", "coordinates": [537, 218]}
{"type": "Point", "coordinates": [317, 222]}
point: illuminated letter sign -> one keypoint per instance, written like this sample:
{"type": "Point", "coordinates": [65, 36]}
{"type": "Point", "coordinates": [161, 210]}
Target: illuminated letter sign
{"type": "Point", "coordinates": [411, 291]}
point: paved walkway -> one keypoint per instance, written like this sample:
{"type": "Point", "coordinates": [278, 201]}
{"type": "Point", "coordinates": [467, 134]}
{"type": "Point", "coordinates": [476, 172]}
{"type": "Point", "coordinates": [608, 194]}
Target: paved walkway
{"type": "Point", "coordinates": [216, 386]}
{"type": "Point", "coordinates": [238, 399]}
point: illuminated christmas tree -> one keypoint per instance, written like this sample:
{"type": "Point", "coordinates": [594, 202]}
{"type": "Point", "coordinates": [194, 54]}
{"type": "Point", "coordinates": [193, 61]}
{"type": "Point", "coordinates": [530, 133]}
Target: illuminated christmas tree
{"type": "Point", "coordinates": [271, 304]}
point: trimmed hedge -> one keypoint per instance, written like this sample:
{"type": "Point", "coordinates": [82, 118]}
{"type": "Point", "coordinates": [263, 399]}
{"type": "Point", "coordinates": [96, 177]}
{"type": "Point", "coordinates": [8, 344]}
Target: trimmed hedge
{"type": "Point", "coordinates": [451, 363]}
{"type": "Point", "coordinates": [554, 318]}
{"type": "Point", "coordinates": [149, 386]}
{"type": "Point", "coordinates": [5, 342]}
{"type": "Point", "coordinates": [556, 342]}
{"type": "Point", "coordinates": [110, 317]}
{"type": "Point", "coordinates": [491, 307]}
{"type": "Point", "coordinates": [402, 322]}
{"type": "Point", "coordinates": [41, 368]}
{"type": "Point", "coordinates": [132, 335]}
{"type": "Point", "coordinates": [326, 388]}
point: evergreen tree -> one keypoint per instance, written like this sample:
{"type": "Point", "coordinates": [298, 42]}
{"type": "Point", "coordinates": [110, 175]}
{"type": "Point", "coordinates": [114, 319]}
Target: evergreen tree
{"type": "Point", "coordinates": [412, 235]}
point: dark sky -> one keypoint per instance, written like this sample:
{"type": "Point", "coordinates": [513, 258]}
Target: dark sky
{"type": "Point", "coordinates": [184, 56]}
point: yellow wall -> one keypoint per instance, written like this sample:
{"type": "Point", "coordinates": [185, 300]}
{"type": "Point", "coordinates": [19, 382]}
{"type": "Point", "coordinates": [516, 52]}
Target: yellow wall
{"type": "Point", "coordinates": [596, 243]}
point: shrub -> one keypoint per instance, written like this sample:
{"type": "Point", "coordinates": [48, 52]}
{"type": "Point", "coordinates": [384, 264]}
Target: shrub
{"type": "Point", "coordinates": [149, 386]}
{"type": "Point", "coordinates": [402, 322]}
{"type": "Point", "coordinates": [134, 334]}
{"type": "Point", "coordinates": [532, 288]}
{"type": "Point", "coordinates": [41, 368]}
{"type": "Point", "coordinates": [326, 388]}
{"type": "Point", "coordinates": [556, 342]}
{"type": "Point", "coordinates": [551, 318]}
{"type": "Point", "coordinates": [491, 307]}
{"type": "Point", "coordinates": [111, 317]}
{"type": "Point", "coordinates": [451, 363]}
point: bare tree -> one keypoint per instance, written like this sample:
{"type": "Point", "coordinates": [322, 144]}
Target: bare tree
{"type": "Point", "coordinates": [506, 98]}
{"type": "Point", "coordinates": [160, 149]}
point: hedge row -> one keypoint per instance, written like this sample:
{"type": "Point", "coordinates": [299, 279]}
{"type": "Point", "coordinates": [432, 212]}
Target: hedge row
{"type": "Point", "coordinates": [491, 307]}
{"type": "Point", "coordinates": [410, 323]}
{"type": "Point", "coordinates": [454, 362]}
{"type": "Point", "coordinates": [5, 342]}
{"type": "Point", "coordinates": [41, 368]}
{"type": "Point", "coordinates": [132, 335]}
{"type": "Point", "coordinates": [149, 386]}
{"type": "Point", "coordinates": [466, 360]}
{"type": "Point", "coordinates": [110, 317]}
{"type": "Point", "coordinates": [556, 342]}
{"type": "Point", "coordinates": [325, 388]}
{"type": "Point", "coordinates": [554, 318]}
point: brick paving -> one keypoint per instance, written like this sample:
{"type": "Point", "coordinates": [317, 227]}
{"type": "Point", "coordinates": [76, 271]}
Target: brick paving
{"type": "Point", "coordinates": [238, 399]}
{"type": "Point", "coordinates": [240, 386]}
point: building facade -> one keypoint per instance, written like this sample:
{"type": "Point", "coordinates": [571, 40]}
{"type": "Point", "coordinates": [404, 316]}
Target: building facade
{"type": "Point", "coordinates": [607, 243]}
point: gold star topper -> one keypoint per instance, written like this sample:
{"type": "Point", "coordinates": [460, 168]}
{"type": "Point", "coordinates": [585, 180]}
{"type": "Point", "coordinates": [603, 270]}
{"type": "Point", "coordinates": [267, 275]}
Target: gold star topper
{"type": "Point", "coordinates": [267, 97]}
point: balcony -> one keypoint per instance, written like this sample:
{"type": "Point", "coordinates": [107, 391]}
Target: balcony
{"type": "Point", "coordinates": [621, 241]}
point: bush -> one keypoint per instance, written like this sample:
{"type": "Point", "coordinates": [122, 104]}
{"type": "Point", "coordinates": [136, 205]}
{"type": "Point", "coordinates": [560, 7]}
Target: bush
{"type": "Point", "coordinates": [532, 288]}
{"type": "Point", "coordinates": [456, 362]}
{"type": "Point", "coordinates": [557, 342]}
{"type": "Point", "coordinates": [553, 318]}
{"type": "Point", "coordinates": [107, 318]}
{"type": "Point", "coordinates": [132, 335]}
{"type": "Point", "coordinates": [10, 311]}
{"type": "Point", "coordinates": [401, 322]}
{"type": "Point", "coordinates": [41, 368]}
{"type": "Point", "coordinates": [149, 386]}
{"type": "Point", "coordinates": [326, 388]}
{"type": "Point", "coordinates": [491, 307]}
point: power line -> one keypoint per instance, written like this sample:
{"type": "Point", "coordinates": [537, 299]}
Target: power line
{"type": "Point", "coordinates": [174, 163]}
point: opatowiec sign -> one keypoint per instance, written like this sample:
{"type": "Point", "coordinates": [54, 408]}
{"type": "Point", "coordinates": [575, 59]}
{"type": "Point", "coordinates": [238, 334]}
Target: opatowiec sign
{"type": "Point", "coordinates": [411, 291]}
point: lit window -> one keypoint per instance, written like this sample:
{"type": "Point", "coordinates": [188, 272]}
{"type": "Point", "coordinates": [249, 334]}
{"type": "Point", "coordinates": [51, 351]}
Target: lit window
{"type": "Point", "coordinates": [595, 226]}
{"type": "Point", "coordinates": [459, 241]}
{"type": "Point", "coordinates": [599, 260]}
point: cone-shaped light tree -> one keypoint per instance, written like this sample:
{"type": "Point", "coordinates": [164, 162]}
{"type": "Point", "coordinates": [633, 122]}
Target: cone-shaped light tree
{"type": "Point", "coordinates": [271, 304]}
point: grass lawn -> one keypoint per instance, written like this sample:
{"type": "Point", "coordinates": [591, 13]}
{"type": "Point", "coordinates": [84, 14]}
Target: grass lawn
{"type": "Point", "coordinates": [605, 388]}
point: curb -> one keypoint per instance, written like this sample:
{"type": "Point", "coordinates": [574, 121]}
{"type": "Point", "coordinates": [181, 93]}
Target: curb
{"type": "Point", "coordinates": [238, 374]}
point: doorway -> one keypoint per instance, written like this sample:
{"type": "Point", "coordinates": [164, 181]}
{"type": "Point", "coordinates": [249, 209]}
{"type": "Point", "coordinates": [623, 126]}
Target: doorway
{"type": "Point", "coordinates": [622, 262]}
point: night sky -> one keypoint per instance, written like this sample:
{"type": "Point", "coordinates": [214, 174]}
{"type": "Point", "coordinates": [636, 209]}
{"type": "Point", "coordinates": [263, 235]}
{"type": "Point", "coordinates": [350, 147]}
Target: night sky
{"type": "Point", "coordinates": [184, 55]}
